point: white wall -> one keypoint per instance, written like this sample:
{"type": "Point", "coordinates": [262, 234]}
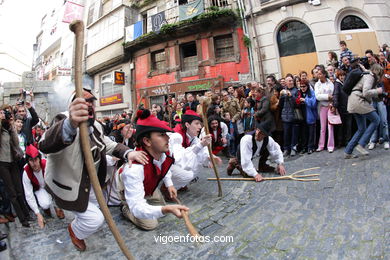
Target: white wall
{"type": "Point", "coordinates": [323, 20]}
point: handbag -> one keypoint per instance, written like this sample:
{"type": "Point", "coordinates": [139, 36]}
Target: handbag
{"type": "Point", "coordinates": [298, 114]}
{"type": "Point", "coordinates": [334, 118]}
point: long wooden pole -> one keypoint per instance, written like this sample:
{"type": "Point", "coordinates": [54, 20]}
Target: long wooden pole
{"type": "Point", "coordinates": [191, 229]}
{"type": "Point", "coordinates": [207, 131]}
{"type": "Point", "coordinates": [77, 27]}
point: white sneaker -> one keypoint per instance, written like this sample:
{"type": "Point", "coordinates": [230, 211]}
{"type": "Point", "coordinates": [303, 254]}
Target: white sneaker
{"type": "Point", "coordinates": [371, 146]}
{"type": "Point", "coordinates": [361, 150]}
{"type": "Point", "coordinates": [386, 145]}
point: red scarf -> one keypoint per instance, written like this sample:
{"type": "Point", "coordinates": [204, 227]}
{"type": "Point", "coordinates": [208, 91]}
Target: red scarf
{"type": "Point", "coordinates": [179, 129]}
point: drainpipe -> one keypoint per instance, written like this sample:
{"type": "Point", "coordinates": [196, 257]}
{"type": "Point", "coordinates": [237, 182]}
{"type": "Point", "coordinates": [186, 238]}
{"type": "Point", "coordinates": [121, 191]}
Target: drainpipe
{"type": "Point", "coordinates": [245, 28]}
{"type": "Point", "coordinates": [257, 42]}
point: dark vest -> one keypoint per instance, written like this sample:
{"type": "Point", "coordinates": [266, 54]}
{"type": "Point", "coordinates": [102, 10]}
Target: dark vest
{"type": "Point", "coordinates": [254, 146]}
{"type": "Point", "coordinates": [152, 174]}
{"type": "Point", "coordinates": [31, 176]}
{"type": "Point", "coordinates": [216, 140]}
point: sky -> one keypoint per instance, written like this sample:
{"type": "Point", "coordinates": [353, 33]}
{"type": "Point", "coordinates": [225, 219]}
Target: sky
{"type": "Point", "coordinates": [20, 22]}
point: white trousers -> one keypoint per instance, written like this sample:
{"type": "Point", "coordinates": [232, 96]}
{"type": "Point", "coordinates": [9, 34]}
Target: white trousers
{"type": "Point", "coordinates": [44, 198]}
{"type": "Point", "coordinates": [89, 221]}
{"type": "Point", "coordinates": [181, 177]}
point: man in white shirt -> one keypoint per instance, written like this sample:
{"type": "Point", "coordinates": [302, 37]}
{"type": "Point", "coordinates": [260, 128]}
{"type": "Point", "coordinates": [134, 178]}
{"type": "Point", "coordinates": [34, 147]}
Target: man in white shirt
{"type": "Point", "coordinates": [34, 184]}
{"type": "Point", "coordinates": [140, 181]}
{"type": "Point", "coordinates": [218, 131]}
{"type": "Point", "coordinates": [251, 145]}
{"type": "Point", "coordinates": [190, 152]}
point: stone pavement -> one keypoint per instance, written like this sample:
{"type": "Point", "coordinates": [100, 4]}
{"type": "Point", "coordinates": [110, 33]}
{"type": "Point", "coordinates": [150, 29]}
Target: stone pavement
{"type": "Point", "coordinates": [344, 216]}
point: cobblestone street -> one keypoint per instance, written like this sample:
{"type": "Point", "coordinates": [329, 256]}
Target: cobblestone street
{"type": "Point", "coordinates": [346, 215]}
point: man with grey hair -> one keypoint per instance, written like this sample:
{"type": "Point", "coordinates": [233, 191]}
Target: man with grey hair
{"type": "Point", "coordinates": [192, 103]}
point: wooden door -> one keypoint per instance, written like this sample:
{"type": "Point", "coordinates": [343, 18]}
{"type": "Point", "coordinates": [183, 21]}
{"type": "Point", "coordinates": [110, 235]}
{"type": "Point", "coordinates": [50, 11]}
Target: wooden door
{"type": "Point", "coordinates": [359, 42]}
{"type": "Point", "coordinates": [294, 64]}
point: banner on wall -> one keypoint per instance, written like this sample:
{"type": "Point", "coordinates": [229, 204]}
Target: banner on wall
{"type": "Point", "coordinates": [190, 10]}
{"type": "Point", "coordinates": [158, 20]}
{"type": "Point", "coordinates": [134, 31]}
{"type": "Point", "coordinates": [72, 12]}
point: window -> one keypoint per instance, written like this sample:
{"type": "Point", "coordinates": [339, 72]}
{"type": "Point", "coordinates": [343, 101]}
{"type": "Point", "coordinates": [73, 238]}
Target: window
{"type": "Point", "coordinates": [145, 23]}
{"type": "Point", "coordinates": [189, 56]}
{"type": "Point", "coordinates": [295, 38]}
{"type": "Point", "coordinates": [90, 14]}
{"type": "Point", "coordinates": [220, 3]}
{"type": "Point", "coordinates": [107, 86]}
{"type": "Point", "coordinates": [105, 7]}
{"type": "Point", "coordinates": [158, 61]}
{"type": "Point", "coordinates": [105, 31]}
{"type": "Point", "coordinates": [224, 47]}
{"type": "Point", "coordinates": [352, 22]}
{"type": "Point", "coordinates": [183, 2]}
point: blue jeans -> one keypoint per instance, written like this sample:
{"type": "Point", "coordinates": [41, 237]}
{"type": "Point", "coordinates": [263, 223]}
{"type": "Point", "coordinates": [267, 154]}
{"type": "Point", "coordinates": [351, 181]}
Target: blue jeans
{"type": "Point", "coordinates": [383, 128]}
{"type": "Point", "coordinates": [291, 132]}
{"type": "Point", "coordinates": [363, 132]}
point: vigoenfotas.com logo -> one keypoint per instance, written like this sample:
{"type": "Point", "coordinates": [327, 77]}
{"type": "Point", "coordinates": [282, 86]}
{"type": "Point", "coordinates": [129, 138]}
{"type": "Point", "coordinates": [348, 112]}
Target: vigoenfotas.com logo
{"type": "Point", "coordinates": [166, 239]}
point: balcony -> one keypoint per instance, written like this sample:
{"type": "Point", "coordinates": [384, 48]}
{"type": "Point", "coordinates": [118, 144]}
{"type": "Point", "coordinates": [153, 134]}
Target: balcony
{"type": "Point", "coordinates": [212, 18]}
{"type": "Point", "coordinates": [266, 6]}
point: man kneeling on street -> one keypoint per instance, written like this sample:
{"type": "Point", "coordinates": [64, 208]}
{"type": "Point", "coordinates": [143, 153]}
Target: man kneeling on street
{"type": "Point", "coordinates": [254, 144]}
{"type": "Point", "coordinates": [140, 182]}
{"type": "Point", "coordinates": [34, 184]}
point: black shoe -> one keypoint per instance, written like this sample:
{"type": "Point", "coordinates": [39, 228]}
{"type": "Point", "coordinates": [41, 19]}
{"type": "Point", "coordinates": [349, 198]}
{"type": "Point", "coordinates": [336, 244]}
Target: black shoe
{"type": "Point", "coordinates": [3, 246]}
{"type": "Point", "coordinates": [303, 151]}
{"type": "Point", "coordinates": [3, 236]}
{"type": "Point", "coordinates": [310, 151]}
{"type": "Point", "coordinates": [25, 223]}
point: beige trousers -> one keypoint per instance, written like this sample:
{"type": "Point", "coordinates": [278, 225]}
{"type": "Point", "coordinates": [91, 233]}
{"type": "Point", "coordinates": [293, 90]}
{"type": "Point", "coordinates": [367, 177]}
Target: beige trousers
{"type": "Point", "coordinates": [146, 224]}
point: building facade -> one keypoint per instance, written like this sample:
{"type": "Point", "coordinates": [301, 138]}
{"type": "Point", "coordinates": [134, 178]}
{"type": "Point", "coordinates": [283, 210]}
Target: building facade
{"type": "Point", "coordinates": [105, 59]}
{"type": "Point", "coordinates": [176, 53]}
{"type": "Point", "coordinates": [293, 36]}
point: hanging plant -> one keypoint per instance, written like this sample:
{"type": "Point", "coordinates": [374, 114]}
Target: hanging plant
{"type": "Point", "coordinates": [247, 41]}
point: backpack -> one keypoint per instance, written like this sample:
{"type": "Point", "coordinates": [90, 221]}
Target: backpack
{"type": "Point", "coordinates": [352, 79]}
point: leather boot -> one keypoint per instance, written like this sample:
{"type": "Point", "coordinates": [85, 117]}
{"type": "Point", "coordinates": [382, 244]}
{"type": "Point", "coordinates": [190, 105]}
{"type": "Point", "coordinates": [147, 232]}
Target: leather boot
{"type": "Point", "coordinates": [78, 243]}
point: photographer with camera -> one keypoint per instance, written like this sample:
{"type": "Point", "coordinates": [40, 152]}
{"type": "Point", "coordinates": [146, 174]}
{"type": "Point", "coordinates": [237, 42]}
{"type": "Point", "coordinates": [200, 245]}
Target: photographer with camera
{"type": "Point", "coordinates": [10, 154]}
{"type": "Point", "coordinates": [28, 122]}
{"type": "Point", "coordinates": [360, 105]}
{"type": "Point", "coordinates": [290, 120]}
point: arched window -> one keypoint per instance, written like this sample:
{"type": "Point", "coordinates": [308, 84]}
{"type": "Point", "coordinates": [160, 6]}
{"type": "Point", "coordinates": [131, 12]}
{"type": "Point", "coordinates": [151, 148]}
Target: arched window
{"type": "Point", "coordinates": [294, 38]}
{"type": "Point", "coordinates": [352, 22]}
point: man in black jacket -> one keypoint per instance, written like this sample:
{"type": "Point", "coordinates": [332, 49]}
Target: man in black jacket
{"type": "Point", "coordinates": [28, 122]}
{"type": "Point", "coordinates": [191, 103]}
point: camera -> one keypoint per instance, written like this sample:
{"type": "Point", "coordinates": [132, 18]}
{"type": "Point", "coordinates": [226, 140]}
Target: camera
{"type": "Point", "coordinates": [363, 61]}
{"type": "Point", "coordinates": [7, 114]}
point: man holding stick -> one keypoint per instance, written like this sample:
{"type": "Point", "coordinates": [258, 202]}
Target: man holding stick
{"type": "Point", "coordinates": [190, 151]}
{"type": "Point", "coordinates": [140, 182]}
{"type": "Point", "coordinates": [66, 177]}
{"type": "Point", "coordinates": [254, 144]}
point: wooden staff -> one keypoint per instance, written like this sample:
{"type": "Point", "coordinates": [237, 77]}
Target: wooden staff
{"type": "Point", "coordinates": [207, 131]}
{"type": "Point", "coordinates": [191, 229]}
{"type": "Point", "coordinates": [293, 177]}
{"type": "Point", "coordinates": [77, 27]}
{"type": "Point", "coordinates": [136, 107]}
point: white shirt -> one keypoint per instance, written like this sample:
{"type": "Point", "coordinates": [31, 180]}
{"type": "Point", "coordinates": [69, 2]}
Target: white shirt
{"type": "Point", "coordinates": [190, 158]}
{"type": "Point", "coordinates": [246, 153]}
{"type": "Point", "coordinates": [133, 178]}
{"type": "Point", "coordinates": [322, 92]}
{"type": "Point", "coordinates": [224, 131]}
{"type": "Point", "coordinates": [29, 191]}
